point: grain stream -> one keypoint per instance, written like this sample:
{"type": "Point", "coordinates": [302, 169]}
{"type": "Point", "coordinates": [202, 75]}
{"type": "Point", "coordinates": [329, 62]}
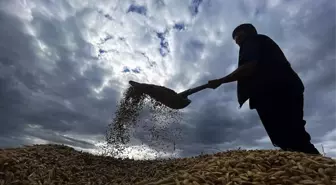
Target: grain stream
{"type": "Point", "coordinates": [139, 116]}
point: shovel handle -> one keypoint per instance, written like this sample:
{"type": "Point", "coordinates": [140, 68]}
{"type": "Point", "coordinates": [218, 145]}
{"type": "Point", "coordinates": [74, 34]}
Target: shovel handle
{"type": "Point", "coordinates": [193, 90]}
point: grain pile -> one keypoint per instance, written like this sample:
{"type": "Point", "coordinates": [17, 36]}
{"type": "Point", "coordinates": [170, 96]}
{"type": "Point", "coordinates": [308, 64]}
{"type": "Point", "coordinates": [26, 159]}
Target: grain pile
{"type": "Point", "coordinates": [62, 165]}
{"type": "Point", "coordinates": [253, 167]}
{"type": "Point", "coordinates": [158, 126]}
{"type": "Point", "coordinates": [56, 164]}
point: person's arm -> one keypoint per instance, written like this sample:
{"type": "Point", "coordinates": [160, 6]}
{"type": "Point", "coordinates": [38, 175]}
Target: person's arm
{"type": "Point", "coordinates": [241, 72]}
{"type": "Point", "coordinates": [250, 55]}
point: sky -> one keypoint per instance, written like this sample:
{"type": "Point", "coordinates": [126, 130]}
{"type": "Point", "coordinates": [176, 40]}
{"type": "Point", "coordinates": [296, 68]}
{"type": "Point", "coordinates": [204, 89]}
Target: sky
{"type": "Point", "coordinates": [64, 65]}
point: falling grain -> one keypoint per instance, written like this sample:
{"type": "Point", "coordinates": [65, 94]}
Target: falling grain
{"type": "Point", "coordinates": [159, 127]}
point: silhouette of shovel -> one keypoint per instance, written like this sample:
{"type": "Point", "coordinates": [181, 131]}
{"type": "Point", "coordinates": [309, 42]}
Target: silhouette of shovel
{"type": "Point", "coordinates": [167, 96]}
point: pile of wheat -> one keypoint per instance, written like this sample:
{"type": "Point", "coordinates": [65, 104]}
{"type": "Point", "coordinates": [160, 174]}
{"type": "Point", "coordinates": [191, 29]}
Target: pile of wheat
{"type": "Point", "coordinates": [55, 164]}
{"type": "Point", "coordinates": [257, 167]}
{"type": "Point", "coordinates": [58, 164]}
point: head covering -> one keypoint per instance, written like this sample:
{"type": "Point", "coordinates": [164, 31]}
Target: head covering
{"type": "Point", "coordinates": [246, 27]}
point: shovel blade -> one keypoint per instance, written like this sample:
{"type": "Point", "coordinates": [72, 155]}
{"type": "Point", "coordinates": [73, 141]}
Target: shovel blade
{"type": "Point", "coordinates": [162, 94]}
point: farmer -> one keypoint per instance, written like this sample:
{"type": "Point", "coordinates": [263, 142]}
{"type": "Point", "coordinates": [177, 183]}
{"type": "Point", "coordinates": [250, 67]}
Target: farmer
{"type": "Point", "coordinates": [266, 78]}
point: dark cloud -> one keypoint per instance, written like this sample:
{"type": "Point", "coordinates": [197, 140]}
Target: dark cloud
{"type": "Point", "coordinates": [11, 101]}
{"type": "Point", "coordinates": [164, 45]}
{"type": "Point", "coordinates": [137, 9]}
{"type": "Point", "coordinates": [194, 7]}
{"type": "Point", "coordinates": [55, 93]}
{"type": "Point", "coordinates": [179, 26]}
{"type": "Point", "coordinates": [215, 123]}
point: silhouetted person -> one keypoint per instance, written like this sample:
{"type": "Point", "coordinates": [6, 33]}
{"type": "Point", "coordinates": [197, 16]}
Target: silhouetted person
{"type": "Point", "coordinates": [266, 78]}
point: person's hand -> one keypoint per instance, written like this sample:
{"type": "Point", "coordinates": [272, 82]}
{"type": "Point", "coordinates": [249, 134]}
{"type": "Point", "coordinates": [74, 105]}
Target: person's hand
{"type": "Point", "coordinates": [215, 83]}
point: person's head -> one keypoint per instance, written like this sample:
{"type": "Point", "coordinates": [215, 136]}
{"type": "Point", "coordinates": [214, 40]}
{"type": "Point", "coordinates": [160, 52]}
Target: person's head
{"type": "Point", "coordinates": [242, 31]}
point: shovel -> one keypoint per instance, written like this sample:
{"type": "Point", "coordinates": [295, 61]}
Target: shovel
{"type": "Point", "coordinates": [167, 96]}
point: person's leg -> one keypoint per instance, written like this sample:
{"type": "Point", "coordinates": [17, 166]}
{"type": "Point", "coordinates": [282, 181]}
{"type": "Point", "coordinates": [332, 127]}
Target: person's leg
{"type": "Point", "coordinates": [299, 139]}
{"type": "Point", "coordinates": [282, 117]}
{"type": "Point", "coordinates": [268, 118]}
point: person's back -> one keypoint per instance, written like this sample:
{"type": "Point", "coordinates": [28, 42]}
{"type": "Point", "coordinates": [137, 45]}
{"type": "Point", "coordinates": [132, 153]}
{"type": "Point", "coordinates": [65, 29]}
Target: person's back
{"type": "Point", "coordinates": [279, 68]}
{"type": "Point", "coordinates": [274, 74]}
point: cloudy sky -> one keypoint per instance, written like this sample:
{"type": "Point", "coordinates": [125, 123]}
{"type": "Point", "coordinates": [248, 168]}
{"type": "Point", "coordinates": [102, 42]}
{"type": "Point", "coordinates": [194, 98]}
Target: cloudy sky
{"type": "Point", "coordinates": [65, 63]}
